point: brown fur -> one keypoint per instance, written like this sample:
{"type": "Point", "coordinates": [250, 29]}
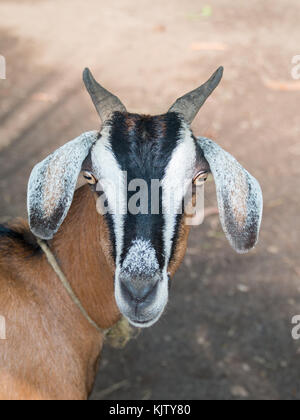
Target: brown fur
{"type": "Point", "coordinates": [51, 351]}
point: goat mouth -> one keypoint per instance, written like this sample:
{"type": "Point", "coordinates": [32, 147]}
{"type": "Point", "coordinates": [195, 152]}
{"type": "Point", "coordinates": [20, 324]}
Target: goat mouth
{"type": "Point", "coordinates": [144, 323]}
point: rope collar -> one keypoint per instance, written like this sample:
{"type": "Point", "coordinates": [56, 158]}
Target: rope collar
{"type": "Point", "coordinates": [54, 264]}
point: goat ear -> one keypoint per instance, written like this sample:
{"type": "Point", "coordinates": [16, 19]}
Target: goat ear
{"type": "Point", "coordinates": [239, 196]}
{"type": "Point", "coordinates": [52, 184]}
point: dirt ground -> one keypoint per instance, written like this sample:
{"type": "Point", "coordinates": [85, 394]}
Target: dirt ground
{"type": "Point", "coordinates": [226, 333]}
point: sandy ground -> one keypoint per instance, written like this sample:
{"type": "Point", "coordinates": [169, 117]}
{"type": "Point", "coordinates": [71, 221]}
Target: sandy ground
{"type": "Point", "coordinates": [227, 331]}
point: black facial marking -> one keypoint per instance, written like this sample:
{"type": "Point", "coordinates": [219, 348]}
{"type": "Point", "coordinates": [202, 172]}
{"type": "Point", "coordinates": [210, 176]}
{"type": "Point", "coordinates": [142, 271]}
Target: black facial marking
{"type": "Point", "coordinates": [143, 146]}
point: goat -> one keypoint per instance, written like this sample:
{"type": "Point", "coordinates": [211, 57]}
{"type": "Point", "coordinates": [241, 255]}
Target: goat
{"type": "Point", "coordinates": [117, 262]}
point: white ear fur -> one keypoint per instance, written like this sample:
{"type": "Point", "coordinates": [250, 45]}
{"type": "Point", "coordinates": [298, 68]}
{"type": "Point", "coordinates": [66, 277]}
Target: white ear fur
{"type": "Point", "coordinates": [52, 185]}
{"type": "Point", "coordinates": [239, 196]}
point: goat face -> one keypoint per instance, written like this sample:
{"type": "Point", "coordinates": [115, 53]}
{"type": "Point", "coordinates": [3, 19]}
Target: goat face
{"type": "Point", "coordinates": [132, 147]}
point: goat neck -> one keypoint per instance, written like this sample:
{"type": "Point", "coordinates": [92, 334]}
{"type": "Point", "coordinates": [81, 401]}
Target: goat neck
{"type": "Point", "coordinates": [83, 249]}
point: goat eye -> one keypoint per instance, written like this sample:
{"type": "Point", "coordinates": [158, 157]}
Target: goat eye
{"type": "Point", "coordinates": [90, 178]}
{"type": "Point", "coordinates": [200, 178]}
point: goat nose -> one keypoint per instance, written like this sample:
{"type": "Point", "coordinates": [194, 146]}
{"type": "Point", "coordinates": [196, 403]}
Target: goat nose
{"type": "Point", "coordinates": [138, 293]}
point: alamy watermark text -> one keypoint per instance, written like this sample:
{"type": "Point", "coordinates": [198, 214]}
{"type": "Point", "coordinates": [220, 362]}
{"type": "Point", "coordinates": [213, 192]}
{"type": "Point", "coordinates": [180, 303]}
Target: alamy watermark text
{"type": "Point", "coordinates": [2, 67]}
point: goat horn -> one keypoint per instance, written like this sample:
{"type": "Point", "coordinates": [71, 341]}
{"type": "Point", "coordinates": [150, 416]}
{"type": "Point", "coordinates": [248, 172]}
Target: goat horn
{"type": "Point", "coordinates": [189, 104]}
{"type": "Point", "coordinates": [104, 101]}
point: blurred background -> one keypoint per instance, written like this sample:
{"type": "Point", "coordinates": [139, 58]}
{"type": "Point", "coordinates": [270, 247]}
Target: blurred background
{"type": "Point", "coordinates": [226, 333]}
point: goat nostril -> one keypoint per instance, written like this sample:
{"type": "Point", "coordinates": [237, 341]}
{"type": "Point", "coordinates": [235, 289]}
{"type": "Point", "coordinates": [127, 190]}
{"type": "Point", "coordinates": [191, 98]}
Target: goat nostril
{"type": "Point", "coordinates": [126, 292]}
{"type": "Point", "coordinates": [138, 295]}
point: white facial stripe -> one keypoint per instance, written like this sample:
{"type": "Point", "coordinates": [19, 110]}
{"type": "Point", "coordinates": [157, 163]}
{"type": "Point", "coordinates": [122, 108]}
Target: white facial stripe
{"type": "Point", "coordinates": [178, 176]}
{"type": "Point", "coordinates": [113, 182]}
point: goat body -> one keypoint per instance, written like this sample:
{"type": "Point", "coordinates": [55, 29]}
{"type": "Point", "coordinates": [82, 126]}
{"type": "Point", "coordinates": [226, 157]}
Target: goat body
{"type": "Point", "coordinates": [51, 351]}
